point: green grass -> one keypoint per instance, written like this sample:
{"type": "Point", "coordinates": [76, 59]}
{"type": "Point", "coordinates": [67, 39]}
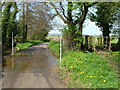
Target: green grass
{"type": "Point", "coordinates": [46, 40]}
{"type": "Point", "coordinates": [116, 56]}
{"type": "Point", "coordinates": [54, 46]}
{"type": "Point", "coordinates": [87, 68]}
{"type": "Point", "coordinates": [27, 44]}
{"type": "Point", "coordinates": [22, 46]}
{"type": "Point", "coordinates": [114, 41]}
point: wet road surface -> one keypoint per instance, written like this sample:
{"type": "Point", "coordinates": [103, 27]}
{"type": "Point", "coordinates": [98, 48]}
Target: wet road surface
{"type": "Point", "coordinates": [32, 68]}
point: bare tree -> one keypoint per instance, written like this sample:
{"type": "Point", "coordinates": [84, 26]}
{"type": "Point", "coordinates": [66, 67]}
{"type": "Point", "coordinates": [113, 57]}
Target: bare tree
{"type": "Point", "coordinates": [39, 20]}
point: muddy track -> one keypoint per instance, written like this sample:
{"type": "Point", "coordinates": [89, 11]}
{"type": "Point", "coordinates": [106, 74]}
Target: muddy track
{"type": "Point", "coordinates": [34, 67]}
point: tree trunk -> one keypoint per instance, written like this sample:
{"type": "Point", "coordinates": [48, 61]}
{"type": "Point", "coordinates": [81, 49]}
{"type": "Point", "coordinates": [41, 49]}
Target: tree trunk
{"type": "Point", "coordinates": [70, 5]}
{"type": "Point", "coordinates": [106, 36]}
{"type": "Point", "coordinates": [23, 24]}
{"type": "Point", "coordinates": [11, 24]}
{"type": "Point", "coordinates": [5, 23]}
{"type": "Point", "coordinates": [118, 43]}
{"type": "Point", "coordinates": [26, 22]}
{"type": "Point", "coordinates": [82, 19]}
{"type": "Point", "coordinates": [69, 37]}
{"type": "Point", "coordinates": [86, 42]}
{"type": "Point", "coordinates": [80, 29]}
{"type": "Point", "coordinates": [81, 46]}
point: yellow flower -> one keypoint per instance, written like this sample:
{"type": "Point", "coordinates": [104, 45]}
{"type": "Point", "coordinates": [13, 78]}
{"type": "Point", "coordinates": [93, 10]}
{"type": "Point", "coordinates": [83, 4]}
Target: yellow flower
{"type": "Point", "coordinates": [91, 76]}
{"type": "Point", "coordinates": [71, 66]}
{"type": "Point", "coordinates": [81, 72]}
{"type": "Point", "coordinates": [104, 80]}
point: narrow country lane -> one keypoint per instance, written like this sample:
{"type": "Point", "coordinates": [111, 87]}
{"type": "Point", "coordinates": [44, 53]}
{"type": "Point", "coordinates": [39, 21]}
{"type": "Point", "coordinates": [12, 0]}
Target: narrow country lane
{"type": "Point", "coordinates": [34, 67]}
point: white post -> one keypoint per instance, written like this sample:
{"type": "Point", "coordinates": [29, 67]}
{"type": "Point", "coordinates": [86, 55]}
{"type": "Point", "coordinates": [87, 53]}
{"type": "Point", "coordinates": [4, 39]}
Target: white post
{"type": "Point", "coordinates": [12, 51]}
{"type": "Point", "coordinates": [12, 44]}
{"type": "Point", "coordinates": [60, 50]}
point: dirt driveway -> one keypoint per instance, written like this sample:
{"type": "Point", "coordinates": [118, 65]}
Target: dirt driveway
{"type": "Point", "coordinates": [34, 67]}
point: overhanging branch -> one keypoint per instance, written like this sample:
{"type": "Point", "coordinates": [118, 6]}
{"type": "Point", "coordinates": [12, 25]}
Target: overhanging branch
{"type": "Point", "coordinates": [63, 10]}
{"type": "Point", "coordinates": [65, 21]}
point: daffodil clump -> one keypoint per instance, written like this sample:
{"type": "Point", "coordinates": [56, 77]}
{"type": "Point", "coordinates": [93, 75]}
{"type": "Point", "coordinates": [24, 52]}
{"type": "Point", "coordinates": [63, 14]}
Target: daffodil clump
{"type": "Point", "coordinates": [89, 69]}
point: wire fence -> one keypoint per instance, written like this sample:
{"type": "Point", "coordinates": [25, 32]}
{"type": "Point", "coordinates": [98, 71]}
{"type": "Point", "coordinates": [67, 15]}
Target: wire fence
{"type": "Point", "coordinates": [105, 42]}
{"type": "Point", "coordinates": [95, 42]}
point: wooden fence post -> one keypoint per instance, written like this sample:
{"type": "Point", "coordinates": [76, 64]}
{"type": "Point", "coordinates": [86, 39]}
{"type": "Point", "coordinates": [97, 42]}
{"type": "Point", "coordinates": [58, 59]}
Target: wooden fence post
{"type": "Point", "coordinates": [86, 41]}
{"type": "Point", "coordinates": [101, 40]}
{"type": "Point", "coordinates": [106, 41]}
{"type": "Point", "coordinates": [89, 44]}
{"type": "Point", "coordinates": [98, 41]}
{"type": "Point", "coordinates": [110, 43]}
{"type": "Point", "coordinates": [95, 40]}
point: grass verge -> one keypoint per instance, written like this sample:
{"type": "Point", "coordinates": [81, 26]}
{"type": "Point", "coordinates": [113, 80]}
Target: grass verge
{"type": "Point", "coordinates": [116, 56]}
{"type": "Point", "coordinates": [54, 47]}
{"type": "Point", "coordinates": [86, 70]}
{"type": "Point", "coordinates": [27, 44]}
{"type": "Point", "coordinates": [89, 69]}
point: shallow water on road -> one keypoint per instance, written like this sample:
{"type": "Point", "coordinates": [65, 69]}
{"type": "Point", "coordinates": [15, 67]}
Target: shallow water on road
{"type": "Point", "coordinates": [34, 66]}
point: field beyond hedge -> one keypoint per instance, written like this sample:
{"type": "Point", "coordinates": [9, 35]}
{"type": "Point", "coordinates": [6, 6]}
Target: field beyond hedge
{"type": "Point", "coordinates": [86, 70]}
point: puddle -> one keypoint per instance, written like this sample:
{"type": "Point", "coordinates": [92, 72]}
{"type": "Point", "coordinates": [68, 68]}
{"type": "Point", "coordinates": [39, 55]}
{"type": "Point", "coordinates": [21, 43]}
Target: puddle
{"type": "Point", "coordinates": [9, 61]}
{"type": "Point", "coordinates": [35, 61]}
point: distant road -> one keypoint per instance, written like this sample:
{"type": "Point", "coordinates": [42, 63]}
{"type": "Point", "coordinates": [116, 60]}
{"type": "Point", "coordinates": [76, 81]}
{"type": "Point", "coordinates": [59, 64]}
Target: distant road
{"type": "Point", "coordinates": [56, 38]}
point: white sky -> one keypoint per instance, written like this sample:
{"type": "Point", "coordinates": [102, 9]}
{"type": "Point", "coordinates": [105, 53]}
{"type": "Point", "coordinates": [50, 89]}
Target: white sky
{"type": "Point", "coordinates": [89, 29]}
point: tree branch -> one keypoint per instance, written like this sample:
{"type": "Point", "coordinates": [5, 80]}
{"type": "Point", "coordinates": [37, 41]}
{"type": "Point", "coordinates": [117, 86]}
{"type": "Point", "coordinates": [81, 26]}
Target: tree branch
{"type": "Point", "coordinates": [92, 4]}
{"type": "Point", "coordinates": [84, 13]}
{"type": "Point", "coordinates": [65, 21]}
{"type": "Point", "coordinates": [70, 5]}
{"type": "Point", "coordinates": [63, 10]}
{"type": "Point", "coordinates": [53, 16]}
